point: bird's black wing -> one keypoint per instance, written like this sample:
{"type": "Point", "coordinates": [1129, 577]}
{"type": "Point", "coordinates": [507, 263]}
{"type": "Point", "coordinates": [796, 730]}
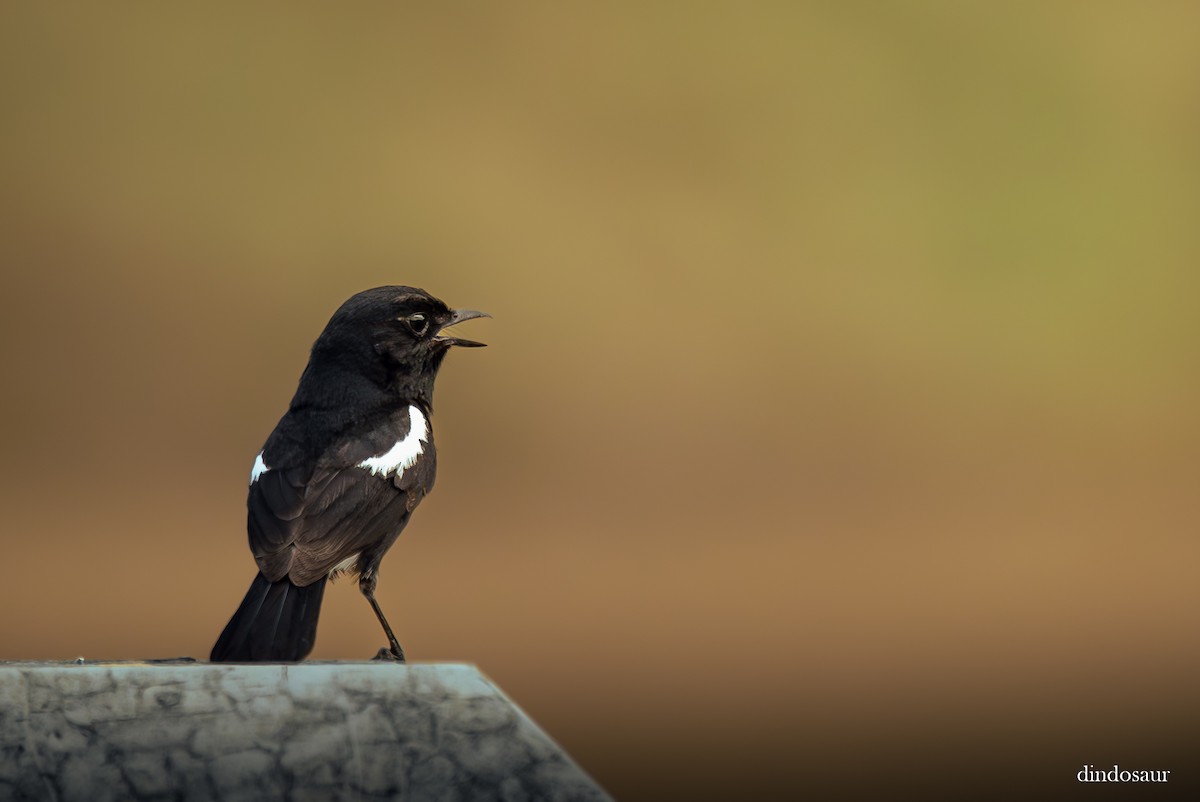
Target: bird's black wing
{"type": "Point", "coordinates": [306, 519]}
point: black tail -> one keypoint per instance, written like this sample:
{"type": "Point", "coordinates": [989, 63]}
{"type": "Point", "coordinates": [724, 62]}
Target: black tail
{"type": "Point", "coordinates": [277, 622]}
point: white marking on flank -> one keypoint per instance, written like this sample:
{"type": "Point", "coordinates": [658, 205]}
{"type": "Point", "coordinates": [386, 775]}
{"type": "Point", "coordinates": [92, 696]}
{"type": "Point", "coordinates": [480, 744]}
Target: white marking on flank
{"type": "Point", "coordinates": [259, 468]}
{"type": "Point", "coordinates": [344, 566]}
{"type": "Point", "coordinates": [403, 455]}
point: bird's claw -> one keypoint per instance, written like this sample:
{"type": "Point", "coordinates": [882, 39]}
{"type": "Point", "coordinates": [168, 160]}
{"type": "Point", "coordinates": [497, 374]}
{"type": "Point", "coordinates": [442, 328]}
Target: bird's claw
{"type": "Point", "coordinates": [389, 655]}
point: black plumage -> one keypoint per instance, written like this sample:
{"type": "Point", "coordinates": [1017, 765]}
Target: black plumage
{"type": "Point", "coordinates": [340, 476]}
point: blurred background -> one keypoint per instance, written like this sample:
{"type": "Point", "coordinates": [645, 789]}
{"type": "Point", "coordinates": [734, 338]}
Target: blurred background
{"type": "Point", "coordinates": [838, 431]}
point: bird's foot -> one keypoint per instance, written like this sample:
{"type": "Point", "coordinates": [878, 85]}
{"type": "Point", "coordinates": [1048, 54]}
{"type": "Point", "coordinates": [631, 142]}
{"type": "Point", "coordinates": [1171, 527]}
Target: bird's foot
{"type": "Point", "coordinates": [390, 655]}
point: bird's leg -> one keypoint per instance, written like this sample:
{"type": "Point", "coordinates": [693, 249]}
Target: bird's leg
{"type": "Point", "coordinates": [366, 583]}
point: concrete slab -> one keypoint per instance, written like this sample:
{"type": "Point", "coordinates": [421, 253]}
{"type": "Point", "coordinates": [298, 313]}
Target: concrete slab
{"type": "Point", "coordinates": [327, 731]}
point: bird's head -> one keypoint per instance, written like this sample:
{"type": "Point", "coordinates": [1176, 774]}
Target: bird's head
{"type": "Point", "coordinates": [395, 336]}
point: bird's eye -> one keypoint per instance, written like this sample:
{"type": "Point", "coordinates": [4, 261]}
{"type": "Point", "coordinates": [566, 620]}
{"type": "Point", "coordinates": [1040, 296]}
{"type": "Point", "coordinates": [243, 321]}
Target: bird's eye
{"type": "Point", "coordinates": [418, 323]}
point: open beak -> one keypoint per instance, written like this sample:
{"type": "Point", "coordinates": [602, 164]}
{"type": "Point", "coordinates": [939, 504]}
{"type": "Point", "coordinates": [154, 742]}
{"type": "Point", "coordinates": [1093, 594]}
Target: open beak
{"type": "Point", "coordinates": [458, 316]}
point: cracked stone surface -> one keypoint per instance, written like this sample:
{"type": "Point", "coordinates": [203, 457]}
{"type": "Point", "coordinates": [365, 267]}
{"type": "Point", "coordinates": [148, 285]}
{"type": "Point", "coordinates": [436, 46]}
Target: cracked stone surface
{"type": "Point", "coordinates": [198, 731]}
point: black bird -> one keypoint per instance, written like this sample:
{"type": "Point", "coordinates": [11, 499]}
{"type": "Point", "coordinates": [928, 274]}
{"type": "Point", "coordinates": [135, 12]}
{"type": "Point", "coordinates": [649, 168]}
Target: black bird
{"type": "Point", "coordinates": [340, 476]}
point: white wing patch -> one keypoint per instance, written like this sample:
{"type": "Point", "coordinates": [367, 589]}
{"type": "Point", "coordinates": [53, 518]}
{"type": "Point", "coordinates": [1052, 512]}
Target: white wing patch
{"type": "Point", "coordinates": [404, 454]}
{"type": "Point", "coordinates": [259, 468]}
